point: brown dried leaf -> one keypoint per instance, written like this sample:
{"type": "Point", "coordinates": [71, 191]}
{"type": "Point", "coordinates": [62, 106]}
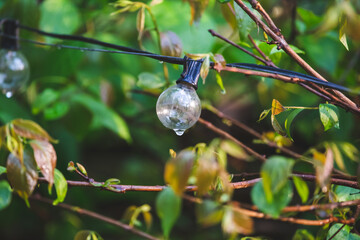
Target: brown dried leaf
{"type": "Point", "coordinates": [30, 129]}
{"type": "Point", "coordinates": [22, 177]}
{"type": "Point", "coordinates": [171, 44]}
{"type": "Point", "coordinates": [178, 170]}
{"type": "Point", "coordinates": [323, 164]}
{"type": "Point", "coordinates": [197, 9]}
{"type": "Point", "coordinates": [107, 92]}
{"type": "Point", "coordinates": [140, 22]}
{"type": "Point", "coordinates": [219, 59]}
{"type": "Point", "coordinates": [45, 157]}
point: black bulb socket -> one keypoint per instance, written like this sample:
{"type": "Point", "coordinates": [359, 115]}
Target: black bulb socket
{"type": "Point", "coordinates": [9, 27]}
{"type": "Point", "coordinates": [191, 72]}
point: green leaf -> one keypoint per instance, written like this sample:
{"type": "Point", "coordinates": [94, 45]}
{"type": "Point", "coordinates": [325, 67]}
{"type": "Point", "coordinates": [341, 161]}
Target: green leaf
{"type": "Point", "coordinates": [342, 234]}
{"type": "Point", "coordinates": [45, 157]}
{"type": "Point", "coordinates": [150, 81]}
{"type": "Point", "coordinates": [308, 17]}
{"type": "Point", "coordinates": [22, 177]}
{"type": "Point", "coordinates": [235, 222]}
{"type": "Point", "coordinates": [297, 50]}
{"type": "Point", "coordinates": [302, 188]}
{"type": "Point", "coordinates": [223, 1]}
{"type": "Point", "coordinates": [168, 207]}
{"type": "Point", "coordinates": [56, 111]}
{"type": "Point", "coordinates": [111, 181]}
{"type": "Point", "coordinates": [329, 116]}
{"type": "Point", "coordinates": [220, 83]}
{"type": "Point", "coordinates": [290, 119]}
{"type": "Point", "coordinates": [209, 213]}
{"type": "Point", "coordinates": [281, 199]}
{"type": "Point", "coordinates": [233, 149]}
{"type": "Point", "coordinates": [2, 170]}
{"type": "Point", "coordinates": [263, 114]}
{"type": "Point", "coordinates": [104, 115]}
{"type": "Point", "coordinates": [178, 170]}
{"type": "Point", "coordinates": [61, 187]}
{"type": "Point", "coordinates": [87, 235]}
{"type": "Point", "coordinates": [303, 234]}
{"type": "Point", "coordinates": [44, 99]}
{"type": "Point", "coordinates": [275, 172]}
{"type": "Point", "coordinates": [59, 16]}
{"type": "Point", "coordinates": [353, 236]}
{"type": "Point", "coordinates": [346, 193]}
{"type": "Point", "coordinates": [82, 169]}
{"type": "Point", "coordinates": [5, 194]}
{"type": "Point", "coordinates": [276, 125]}
{"type": "Point", "coordinates": [244, 22]}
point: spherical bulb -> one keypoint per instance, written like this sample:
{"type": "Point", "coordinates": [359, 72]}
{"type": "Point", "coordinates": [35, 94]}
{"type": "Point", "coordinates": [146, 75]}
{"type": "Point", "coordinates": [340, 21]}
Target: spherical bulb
{"type": "Point", "coordinates": [179, 107]}
{"type": "Point", "coordinates": [14, 71]}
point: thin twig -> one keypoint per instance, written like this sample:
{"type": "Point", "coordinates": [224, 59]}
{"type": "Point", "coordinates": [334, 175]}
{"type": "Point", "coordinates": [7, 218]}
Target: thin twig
{"type": "Point", "coordinates": [95, 215]}
{"type": "Point", "coordinates": [252, 132]}
{"type": "Point", "coordinates": [256, 214]}
{"type": "Point", "coordinates": [275, 34]}
{"type": "Point", "coordinates": [337, 232]}
{"type": "Point", "coordinates": [228, 136]}
{"type": "Point", "coordinates": [215, 34]}
{"type": "Point", "coordinates": [307, 222]}
{"type": "Point", "coordinates": [268, 61]}
{"type": "Point", "coordinates": [329, 206]}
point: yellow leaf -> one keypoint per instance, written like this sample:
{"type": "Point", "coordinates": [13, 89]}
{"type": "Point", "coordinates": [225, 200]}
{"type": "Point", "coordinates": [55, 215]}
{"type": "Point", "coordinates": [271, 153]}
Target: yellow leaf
{"type": "Point", "coordinates": [178, 170]}
{"type": "Point", "coordinates": [342, 34]}
{"type": "Point", "coordinates": [235, 222]}
{"type": "Point", "coordinates": [276, 107]}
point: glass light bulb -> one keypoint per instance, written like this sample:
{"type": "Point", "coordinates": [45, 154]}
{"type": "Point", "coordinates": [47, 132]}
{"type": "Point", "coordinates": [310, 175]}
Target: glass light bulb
{"type": "Point", "coordinates": [14, 71]}
{"type": "Point", "coordinates": [179, 107]}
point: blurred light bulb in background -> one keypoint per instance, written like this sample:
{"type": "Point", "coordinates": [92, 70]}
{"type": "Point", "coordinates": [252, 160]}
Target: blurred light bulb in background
{"type": "Point", "coordinates": [179, 106]}
{"type": "Point", "coordinates": [14, 71]}
{"type": "Point", "coordinates": [14, 68]}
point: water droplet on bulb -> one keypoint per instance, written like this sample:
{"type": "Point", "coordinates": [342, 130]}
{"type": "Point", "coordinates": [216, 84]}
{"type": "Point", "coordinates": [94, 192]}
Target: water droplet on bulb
{"type": "Point", "coordinates": [9, 94]}
{"type": "Point", "coordinates": [179, 132]}
{"type": "Point", "coordinates": [161, 62]}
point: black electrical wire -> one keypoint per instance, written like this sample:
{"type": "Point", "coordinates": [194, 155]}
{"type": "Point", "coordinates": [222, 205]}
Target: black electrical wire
{"type": "Point", "coordinates": [168, 59]}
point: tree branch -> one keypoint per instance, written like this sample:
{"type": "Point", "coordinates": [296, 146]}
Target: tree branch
{"type": "Point", "coordinates": [215, 34]}
{"type": "Point", "coordinates": [275, 34]}
{"type": "Point", "coordinates": [320, 222]}
{"type": "Point", "coordinates": [95, 215]}
{"type": "Point", "coordinates": [228, 136]}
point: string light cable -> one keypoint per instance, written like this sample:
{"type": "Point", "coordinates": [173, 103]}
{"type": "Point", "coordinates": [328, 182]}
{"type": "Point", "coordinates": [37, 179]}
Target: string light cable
{"type": "Point", "coordinates": [162, 58]}
{"type": "Point", "coordinates": [179, 114]}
